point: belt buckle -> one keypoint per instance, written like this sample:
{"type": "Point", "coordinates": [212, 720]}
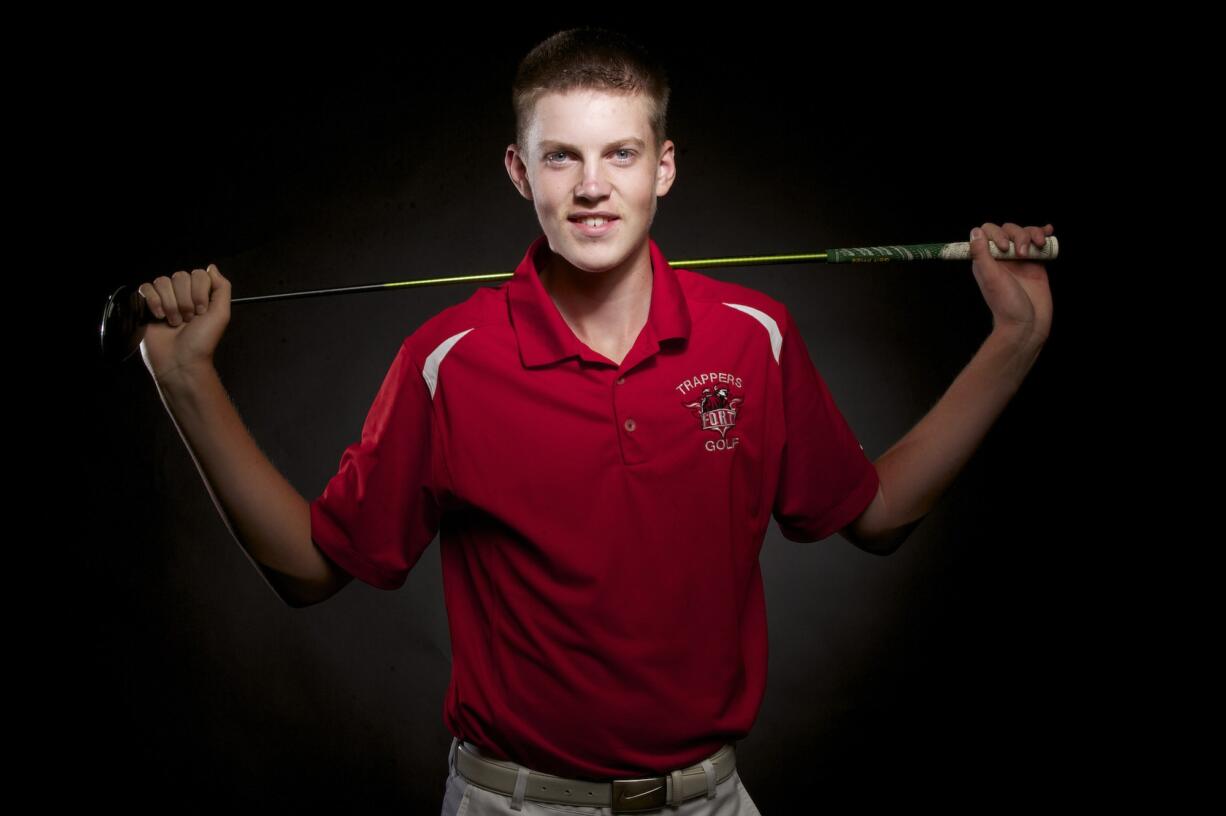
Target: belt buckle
{"type": "Point", "coordinates": [634, 795]}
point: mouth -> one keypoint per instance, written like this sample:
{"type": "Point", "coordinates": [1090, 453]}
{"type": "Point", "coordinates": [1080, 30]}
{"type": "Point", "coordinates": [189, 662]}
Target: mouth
{"type": "Point", "coordinates": [593, 225]}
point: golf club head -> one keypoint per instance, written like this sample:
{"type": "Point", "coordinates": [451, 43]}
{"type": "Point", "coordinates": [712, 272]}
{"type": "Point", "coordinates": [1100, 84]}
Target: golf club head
{"type": "Point", "coordinates": [123, 324]}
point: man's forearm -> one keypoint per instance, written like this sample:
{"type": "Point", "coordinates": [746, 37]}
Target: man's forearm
{"type": "Point", "coordinates": [921, 466]}
{"type": "Point", "coordinates": [265, 514]}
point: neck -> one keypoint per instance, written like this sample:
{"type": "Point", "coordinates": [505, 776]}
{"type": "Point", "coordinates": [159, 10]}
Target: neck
{"type": "Point", "coordinates": [606, 310]}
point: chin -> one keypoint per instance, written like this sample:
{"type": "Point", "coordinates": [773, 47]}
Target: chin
{"type": "Point", "coordinates": [602, 258]}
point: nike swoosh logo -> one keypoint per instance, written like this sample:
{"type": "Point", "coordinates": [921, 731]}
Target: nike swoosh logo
{"type": "Point", "coordinates": [644, 793]}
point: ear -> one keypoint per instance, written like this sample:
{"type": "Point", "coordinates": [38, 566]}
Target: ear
{"type": "Point", "coordinates": [666, 168]}
{"type": "Point", "coordinates": [518, 171]}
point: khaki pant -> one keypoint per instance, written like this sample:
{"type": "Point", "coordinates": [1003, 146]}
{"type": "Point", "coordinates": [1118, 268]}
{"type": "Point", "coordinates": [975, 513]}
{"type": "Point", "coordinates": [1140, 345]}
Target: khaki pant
{"type": "Point", "coordinates": [464, 799]}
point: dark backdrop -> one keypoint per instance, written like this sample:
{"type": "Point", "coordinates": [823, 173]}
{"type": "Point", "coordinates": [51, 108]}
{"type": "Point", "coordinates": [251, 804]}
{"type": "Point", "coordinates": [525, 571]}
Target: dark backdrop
{"type": "Point", "coordinates": [945, 672]}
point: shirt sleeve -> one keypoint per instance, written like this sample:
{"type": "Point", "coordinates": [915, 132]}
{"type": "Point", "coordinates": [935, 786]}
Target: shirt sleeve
{"type": "Point", "coordinates": [825, 478]}
{"type": "Point", "coordinates": [378, 514]}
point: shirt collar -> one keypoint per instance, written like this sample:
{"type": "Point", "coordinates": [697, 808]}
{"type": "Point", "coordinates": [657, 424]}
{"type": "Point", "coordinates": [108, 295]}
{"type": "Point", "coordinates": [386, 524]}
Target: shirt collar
{"type": "Point", "coordinates": [544, 336]}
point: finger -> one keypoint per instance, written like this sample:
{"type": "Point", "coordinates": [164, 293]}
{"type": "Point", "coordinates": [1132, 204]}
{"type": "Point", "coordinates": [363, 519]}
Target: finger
{"type": "Point", "coordinates": [1019, 237]}
{"type": "Point", "coordinates": [200, 290]}
{"type": "Point", "coordinates": [153, 302]}
{"type": "Point", "coordinates": [996, 235]}
{"type": "Point", "coordinates": [170, 304]}
{"type": "Point", "coordinates": [1036, 235]}
{"type": "Point", "coordinates": [182, 283]}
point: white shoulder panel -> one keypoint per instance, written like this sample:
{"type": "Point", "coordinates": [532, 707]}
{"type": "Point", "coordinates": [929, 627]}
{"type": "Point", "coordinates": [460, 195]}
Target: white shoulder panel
{"type": "Point", "coordinates": [768, 323]}
{"type": "Point", "coordinates": [430, 371]}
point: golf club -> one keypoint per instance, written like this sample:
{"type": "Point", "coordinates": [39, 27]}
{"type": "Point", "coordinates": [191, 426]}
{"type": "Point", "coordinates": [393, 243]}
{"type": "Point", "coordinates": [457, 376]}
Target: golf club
{"type": "Point", "coordinates": [125, 314]}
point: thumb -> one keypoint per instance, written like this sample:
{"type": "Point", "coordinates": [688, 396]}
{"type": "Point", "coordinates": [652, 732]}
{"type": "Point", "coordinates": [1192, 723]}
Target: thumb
{"type": "Point", "coordinates": [220, 294]}
{"type": "Point", "coordinates": [979, 253]}
{"type": "Point", "coordinates": [979, 244]}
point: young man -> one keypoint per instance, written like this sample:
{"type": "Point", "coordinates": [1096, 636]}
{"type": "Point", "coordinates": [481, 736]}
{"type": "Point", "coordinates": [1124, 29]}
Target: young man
{"type": "Point", "coordinates": [602, 442]}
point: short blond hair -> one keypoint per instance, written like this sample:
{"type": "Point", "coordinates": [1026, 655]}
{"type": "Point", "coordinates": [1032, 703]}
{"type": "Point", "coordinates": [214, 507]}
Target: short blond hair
{"type": "Point", "coordinates": [590, 58]}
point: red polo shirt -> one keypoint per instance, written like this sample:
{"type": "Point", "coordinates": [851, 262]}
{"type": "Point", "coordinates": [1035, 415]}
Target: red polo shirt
{"type": "Point", "coordinates": [600, 523]}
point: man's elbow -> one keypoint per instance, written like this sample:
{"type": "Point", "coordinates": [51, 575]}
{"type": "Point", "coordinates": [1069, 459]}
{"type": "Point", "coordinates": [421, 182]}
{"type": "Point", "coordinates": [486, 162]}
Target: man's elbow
{"type": "Point", "coordinates": [874, 529]}
{"type": "Point", "coordinates": [297, 593]}
{"type": "Point", "coordinates": [884, 542]}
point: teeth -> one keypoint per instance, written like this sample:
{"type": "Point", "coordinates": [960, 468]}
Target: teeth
{"type": "Point", "coordinates": [594, 221]}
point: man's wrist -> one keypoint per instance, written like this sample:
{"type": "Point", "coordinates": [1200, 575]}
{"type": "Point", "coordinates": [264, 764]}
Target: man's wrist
{"type": "Point", "coordinates": [1023, 337]}
{"type": "Point", "coordinates": [1012, 353]}
{"type": "Point", "coordinates": [185, 378]}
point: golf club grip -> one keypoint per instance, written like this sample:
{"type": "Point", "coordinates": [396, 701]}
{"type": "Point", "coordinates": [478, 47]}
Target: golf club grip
{"type": "Point", "coordinates": [959, 251]}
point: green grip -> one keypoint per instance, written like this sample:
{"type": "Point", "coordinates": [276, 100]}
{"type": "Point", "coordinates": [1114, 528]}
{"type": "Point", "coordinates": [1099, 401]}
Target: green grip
{"type": "Point", "coordinates": [959, 251]}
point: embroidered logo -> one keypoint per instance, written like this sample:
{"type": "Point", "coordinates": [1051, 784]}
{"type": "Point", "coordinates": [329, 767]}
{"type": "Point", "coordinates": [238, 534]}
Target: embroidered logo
{"type": "Point", "coordinates": [716, 411]}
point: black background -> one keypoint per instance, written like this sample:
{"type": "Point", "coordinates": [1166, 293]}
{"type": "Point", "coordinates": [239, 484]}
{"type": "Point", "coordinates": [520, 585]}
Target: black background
{"type": "Point", "coordinates": [951, 671]}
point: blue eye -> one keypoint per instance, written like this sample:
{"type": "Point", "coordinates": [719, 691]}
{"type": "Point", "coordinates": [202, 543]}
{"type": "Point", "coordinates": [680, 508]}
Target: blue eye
{"type": "Point", "coordinates": [549, 157]}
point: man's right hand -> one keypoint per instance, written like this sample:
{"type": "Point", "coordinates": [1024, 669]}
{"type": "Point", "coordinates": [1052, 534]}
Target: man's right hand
{"type": "Point", "coordinates": [193, 311]}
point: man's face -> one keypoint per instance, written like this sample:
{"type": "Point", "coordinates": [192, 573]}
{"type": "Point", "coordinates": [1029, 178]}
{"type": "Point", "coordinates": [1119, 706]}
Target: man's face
{"type": "Point", "coordinates": [592, 151]}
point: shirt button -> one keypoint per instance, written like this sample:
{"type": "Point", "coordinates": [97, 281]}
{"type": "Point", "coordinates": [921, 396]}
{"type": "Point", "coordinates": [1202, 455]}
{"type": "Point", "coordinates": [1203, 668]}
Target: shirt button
{"type": "Point", "coordinates": [621, 380]}
{"type": "Point", "coordinates": [630, 426]}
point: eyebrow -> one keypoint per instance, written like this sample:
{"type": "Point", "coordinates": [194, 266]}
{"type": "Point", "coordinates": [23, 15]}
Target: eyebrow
{"type": "Point", "coordinates": [551, 143]}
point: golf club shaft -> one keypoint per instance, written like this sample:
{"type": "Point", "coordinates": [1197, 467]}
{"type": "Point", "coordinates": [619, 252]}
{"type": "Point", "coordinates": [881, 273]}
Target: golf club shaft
{"type": "Point", "coordinates": [959, 251]}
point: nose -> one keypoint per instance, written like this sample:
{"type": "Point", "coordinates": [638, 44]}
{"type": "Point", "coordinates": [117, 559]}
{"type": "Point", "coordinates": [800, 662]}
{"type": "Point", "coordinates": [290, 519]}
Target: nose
{"type": "Point", "coordinates": [592, 185]}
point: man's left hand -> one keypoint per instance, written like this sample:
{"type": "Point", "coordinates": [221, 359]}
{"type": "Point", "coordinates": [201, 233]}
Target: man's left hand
{"type": "Point", "coordinates": [1015, 290]}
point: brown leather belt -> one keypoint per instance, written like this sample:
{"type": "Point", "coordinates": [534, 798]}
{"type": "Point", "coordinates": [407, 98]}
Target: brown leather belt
{"type": "Point", "coordinates": [620, 795]}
